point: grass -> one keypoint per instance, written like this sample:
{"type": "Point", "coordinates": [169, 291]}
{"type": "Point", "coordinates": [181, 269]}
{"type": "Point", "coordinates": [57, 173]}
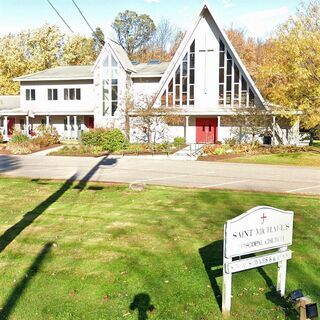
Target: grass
{"type": "Point", "coordinates": [86, 251]}
{"type": "Point", "coordinates": [293, 159]}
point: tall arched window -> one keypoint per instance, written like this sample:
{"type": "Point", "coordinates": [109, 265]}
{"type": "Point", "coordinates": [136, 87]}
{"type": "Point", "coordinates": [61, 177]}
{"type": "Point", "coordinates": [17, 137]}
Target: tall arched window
{"type": "Point", "coordinates": [110, 85]}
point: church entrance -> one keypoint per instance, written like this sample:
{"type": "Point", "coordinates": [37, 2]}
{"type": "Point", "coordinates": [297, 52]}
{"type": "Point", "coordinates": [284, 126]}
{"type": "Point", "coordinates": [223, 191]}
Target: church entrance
{"type": "Point", "coordinates": [207, 130]}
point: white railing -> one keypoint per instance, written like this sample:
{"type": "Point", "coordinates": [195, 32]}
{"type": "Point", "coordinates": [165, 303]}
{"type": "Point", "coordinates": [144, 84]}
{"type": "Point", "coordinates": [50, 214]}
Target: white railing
{"type": "Point", "coordinates": [196, 149]}
{"type": "Point", "coordinates": [282, 137]}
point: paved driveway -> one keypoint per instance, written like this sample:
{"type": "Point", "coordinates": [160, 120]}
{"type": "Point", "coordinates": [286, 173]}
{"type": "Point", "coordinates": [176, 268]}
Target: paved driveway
{"type": "Point", "coordinates": [215, 175]}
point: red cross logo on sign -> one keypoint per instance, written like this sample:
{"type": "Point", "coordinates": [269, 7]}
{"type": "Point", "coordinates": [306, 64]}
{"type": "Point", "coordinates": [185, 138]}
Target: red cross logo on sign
{"type": "Point", "coordinates": [263, 218]}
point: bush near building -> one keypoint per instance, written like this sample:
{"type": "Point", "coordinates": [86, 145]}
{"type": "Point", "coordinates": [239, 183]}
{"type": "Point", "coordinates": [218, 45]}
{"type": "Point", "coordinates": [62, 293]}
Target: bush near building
{"type": "Point", "coordinates": [109, 140]}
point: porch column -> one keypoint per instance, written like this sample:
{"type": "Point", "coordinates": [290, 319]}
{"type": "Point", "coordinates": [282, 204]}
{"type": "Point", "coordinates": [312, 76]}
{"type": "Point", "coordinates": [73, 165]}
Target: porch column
{"type": "Point", "coordinates": [273, 130]}
{"type": "Point", "coordinates": [5, 125]}
{"type": "Point", "coordinates": [218, 129]}
{"type": "Point", "coordinates": [186, 128]}
{"type": "Point", "coordinates": [75, 127]}
{"type": "Point", "coordinates": [68, 127]}
{"type": "Point", "coordinates": [47, 121]}
{"type": "Point", "coordinates": [27, 126]}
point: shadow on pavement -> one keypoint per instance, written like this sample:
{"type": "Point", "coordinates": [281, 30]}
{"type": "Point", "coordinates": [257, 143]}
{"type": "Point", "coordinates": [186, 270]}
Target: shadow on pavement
{"type": "Point", "coordinates": [9, 163]}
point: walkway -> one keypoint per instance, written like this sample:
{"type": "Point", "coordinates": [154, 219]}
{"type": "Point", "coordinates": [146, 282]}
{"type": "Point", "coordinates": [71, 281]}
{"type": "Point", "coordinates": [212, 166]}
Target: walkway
{"type": "Point", "coordinates": [213, 175]}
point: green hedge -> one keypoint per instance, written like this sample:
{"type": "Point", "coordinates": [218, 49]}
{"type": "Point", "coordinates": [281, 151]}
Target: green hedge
{"type": "Point", "coordinates": [110, 140]}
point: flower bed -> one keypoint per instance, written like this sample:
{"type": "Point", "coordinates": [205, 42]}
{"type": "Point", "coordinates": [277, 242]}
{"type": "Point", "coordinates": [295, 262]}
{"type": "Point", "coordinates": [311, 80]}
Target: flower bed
{"type": "Point", "coordinates": [79, 151]}
{"type": "Point", "coordinates": [223, 152]}
{"type": "Point", "coordinates": [21, 144]}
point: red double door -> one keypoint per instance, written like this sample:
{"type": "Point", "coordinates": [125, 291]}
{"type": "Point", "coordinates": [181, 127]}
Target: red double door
{"type": "Point", "coordinates": [207, 130]}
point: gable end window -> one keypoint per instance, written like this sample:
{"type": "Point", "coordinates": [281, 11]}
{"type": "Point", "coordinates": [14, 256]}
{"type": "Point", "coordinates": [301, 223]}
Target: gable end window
{"type": "Point", "coordinates": [30, 94]}
{"type": "Point", "coordinates": [72, 94]}
{"type": "Point", "coordinates": [52, 94]}
{"type": "Point", "coordinates": [180, 89]}
{"type": "Point", "coordinates": [234, 88]}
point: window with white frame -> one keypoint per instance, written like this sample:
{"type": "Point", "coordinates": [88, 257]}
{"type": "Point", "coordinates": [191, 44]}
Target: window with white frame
{"type": "Point", "coordinates": [30, 94]}
{"type": "Point", "coordinates": [234, 89]}
{"type": "Point", "coordinates": [72, 94]}
{"type": "Point", "coordinates": [180, 89]}
{"type": "Point", "coordinates": [110, 89]}
{"type": "Point", "coordinates": [52, 94]}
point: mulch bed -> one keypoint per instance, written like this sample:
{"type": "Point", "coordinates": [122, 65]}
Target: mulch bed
{"type": "Point", "coordinates": [220, 158]}
{"type": "Point", "coordinates": [85, 155]}
{"type": "Point", "coordinates": [7, 152]}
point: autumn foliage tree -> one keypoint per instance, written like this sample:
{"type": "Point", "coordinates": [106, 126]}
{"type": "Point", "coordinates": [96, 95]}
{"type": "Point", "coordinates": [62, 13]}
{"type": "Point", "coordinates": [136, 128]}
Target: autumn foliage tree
{"type": "Point", "coordinates": [39, 49]}
{"type": "Point", "coordinates": [290, 74]}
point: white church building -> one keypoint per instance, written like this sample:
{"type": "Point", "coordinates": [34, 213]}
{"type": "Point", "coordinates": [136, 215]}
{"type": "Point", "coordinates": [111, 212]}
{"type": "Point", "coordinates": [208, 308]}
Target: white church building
{"type": "Point", "coordinates": [205, 82]}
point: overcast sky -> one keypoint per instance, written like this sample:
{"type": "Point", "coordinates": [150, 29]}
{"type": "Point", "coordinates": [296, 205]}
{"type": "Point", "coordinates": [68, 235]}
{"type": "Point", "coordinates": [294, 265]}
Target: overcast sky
{"type": "Point", "coordinates": [259, 17]}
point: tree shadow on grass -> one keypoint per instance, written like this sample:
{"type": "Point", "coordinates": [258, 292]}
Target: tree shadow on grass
{"type": "Point", "coordinates": [103, 162]}
{"type": "Point", "coordinates": [212, 258]}
{"type": "Point", "coordinates": [10, 234]}
{"type": "Point", "coordinates": [24, 282]}
{"type": "Point", "coordinates": [142, 303]}
{"type": "Point", "coordinates": [276, 299]}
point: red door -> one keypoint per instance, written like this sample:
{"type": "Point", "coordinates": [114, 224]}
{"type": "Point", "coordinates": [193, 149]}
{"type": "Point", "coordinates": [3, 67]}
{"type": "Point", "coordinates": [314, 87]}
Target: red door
{"type": "Point", "coordinates": [11, 124]}
{"type": "Point", "coordinates": [91, 123]}
{"type": "Point", "coordinates": [207, 130]}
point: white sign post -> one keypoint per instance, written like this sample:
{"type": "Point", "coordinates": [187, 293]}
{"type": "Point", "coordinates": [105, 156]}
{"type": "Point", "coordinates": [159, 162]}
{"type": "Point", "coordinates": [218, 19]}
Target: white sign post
{"type": "Point", "coordinates": [257, 230]}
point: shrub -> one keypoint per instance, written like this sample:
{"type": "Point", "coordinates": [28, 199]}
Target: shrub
{"type": "Point", "coordinates": [219, 151]}
{"type": "Point", "coordinates": [109, 140]}
{"type": "Point", "coordinates": [231, 142]}
{"type": "Point", "coordinates": [178, 142]}
{"type": "Point", "coordinates": [47, 136]}
{"type": "Point", "coordinates": [1, 138]}
{"type": "Point", "coordinates": [25, 147]}
{"type": "Point", "coordinates": [19, 137]}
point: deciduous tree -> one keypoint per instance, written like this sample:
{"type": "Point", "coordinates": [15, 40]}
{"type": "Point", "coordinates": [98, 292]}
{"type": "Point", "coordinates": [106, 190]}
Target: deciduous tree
{"type": "Point", "coordinates": [133, 31]}
{"type": "Point", "coordinates": [290, 74]}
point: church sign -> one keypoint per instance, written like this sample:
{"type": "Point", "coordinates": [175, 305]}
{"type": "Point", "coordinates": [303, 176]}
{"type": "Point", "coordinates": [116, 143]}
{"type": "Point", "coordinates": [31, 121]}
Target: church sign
{"type": "Point", "coordinates": [257, 230]}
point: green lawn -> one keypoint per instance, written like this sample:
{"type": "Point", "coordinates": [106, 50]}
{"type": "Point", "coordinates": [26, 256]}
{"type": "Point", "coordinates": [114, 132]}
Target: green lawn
{"type": "Point", "coordinates": [293, 159]}
{"type": "Point", "coordinates": [77, 251]}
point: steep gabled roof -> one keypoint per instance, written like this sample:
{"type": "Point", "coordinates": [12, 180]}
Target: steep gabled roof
{"type": "Point", "coordinates": [119, 53]}
{"type": "Point", "coordinates": [178, 55]}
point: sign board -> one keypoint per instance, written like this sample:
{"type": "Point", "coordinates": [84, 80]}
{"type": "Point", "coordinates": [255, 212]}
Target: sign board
{"type": "Point", "coordinates": [257, 230]}
{"type": "Point", "coordinates": [256, 262]}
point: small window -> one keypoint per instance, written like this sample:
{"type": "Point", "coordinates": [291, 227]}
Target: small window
{"type": "Point", "coordinates": [222, 46]}
{"type": "Point", "coordinates": [178, 76]}
{"type": "Point", "coordinates": [52, 94]}
{"type": "Point", "coordinates": [114, 106]}
{"type": "Point", "coordinates": [72, 94]}
{"type": "Point", "coordinates": [191, 92]}
{"type": "Point", "coordinates": [192, 76]}
{"type": "Point", "coordinates": [30, 94]}
{"type": "Point", "coordinates": [66, 94]}
{"type": "Point", "coordinates": [236, 74]}
{"type": "Point", "coordinates": [251, 98]}
{"type": "Point", "coordinates": [78, 94]}
{"type": "Point", "coordinates": [221, 59]}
